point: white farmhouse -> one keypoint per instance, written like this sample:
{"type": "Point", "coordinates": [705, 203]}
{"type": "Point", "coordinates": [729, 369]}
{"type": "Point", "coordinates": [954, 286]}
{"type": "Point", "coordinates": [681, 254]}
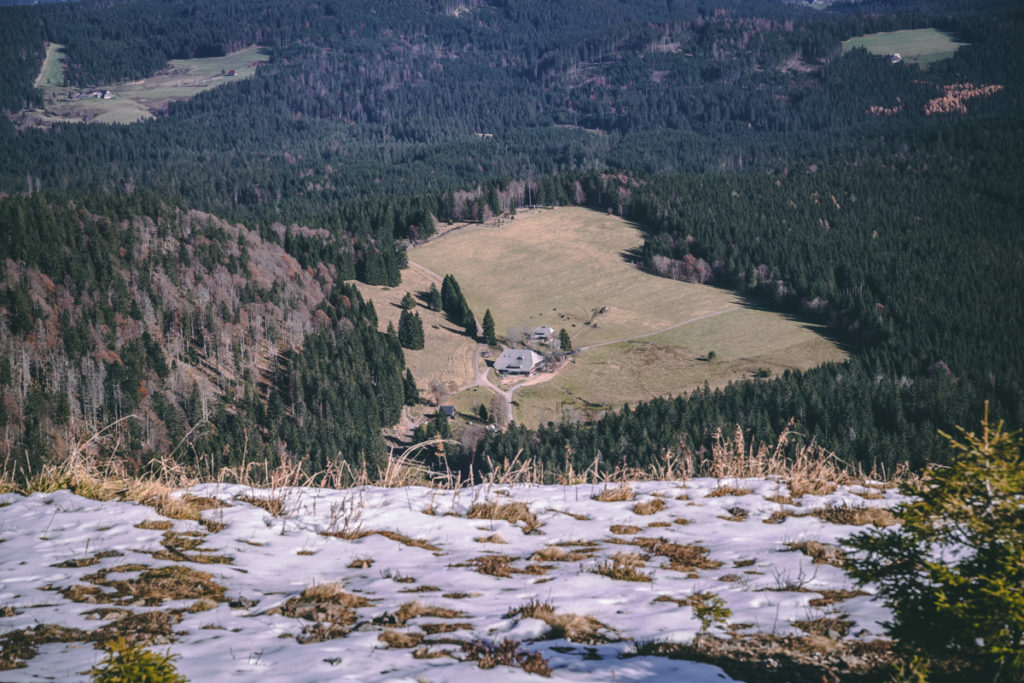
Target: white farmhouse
{"type": "Point", "coordinates": [517, 361]}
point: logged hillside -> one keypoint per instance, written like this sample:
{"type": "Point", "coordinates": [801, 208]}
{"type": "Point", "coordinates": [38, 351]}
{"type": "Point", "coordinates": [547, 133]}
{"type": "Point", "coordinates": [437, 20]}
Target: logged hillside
{"type": "Point", "coordinates": [199, 338]}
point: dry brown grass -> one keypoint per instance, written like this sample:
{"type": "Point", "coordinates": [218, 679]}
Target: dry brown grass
{"type": "Point", "coordinates": [501, 566]}
{"type": "Point", "coordinates": [151, 588]}
{"type": "Point", "coordinates": [649, 507]}
{"type": "Point", "coordinates": [415, 609]}
{"type": "Point", "coordinates": [512, 513]}
{"type": "Point", "coordinates": [553, 553]}
{"type": "Point", "coordinates": [615, 494]}
{"type": "Point", "coordinates": [820, 553]}
{"type": "Point", "coordinates": [682, 557]}
{"type": "Point", "coordinates": [90, 560]}
{"type": "Point", "coordinates": [777, 659]}
{"type": "Point", "coordinates": [356, 534]}
{"type": "Point", "coordinates": [624, 529]}
{"type": "Point", "coordinates": [155, 525]}
{"type": "Point", "coordinates": [833, 627]}
{"type": "Point", "coordinates": [506, 653]}
{"type": "Point", "coordinates": [329, 608]}
{"type": "Point", "coordinates": [400, 639]}
{"type": "Point", "coordinates": [831, 597]}
{"type": "Point", "coordinates": [273, 505]}
{"type": "Point", "coordinates": [729, 490]}
{"type": "Point", "coordinates": [567, 625]}
{"type": "Point", "coordinates": [491, 538]}
{"type": "Point", "coordinates": [736, 514]}
{"type": "Point", "coordinates": [855, 515]}
{"type": "Point", "coordinates": [624, 567]}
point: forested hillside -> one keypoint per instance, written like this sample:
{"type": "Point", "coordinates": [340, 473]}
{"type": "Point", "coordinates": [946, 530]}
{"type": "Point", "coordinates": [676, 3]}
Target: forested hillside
{"type": "Point", "coordinates": [189, 270]}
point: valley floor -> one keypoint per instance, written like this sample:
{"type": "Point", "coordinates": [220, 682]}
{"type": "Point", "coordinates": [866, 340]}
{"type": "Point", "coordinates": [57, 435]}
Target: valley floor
{"type": "Point", "coordinates": [304, 584]}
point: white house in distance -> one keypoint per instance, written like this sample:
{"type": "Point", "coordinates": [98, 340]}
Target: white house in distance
{"type": "Point", "coordinates": [542, 334]}
{"type": "Point", "coordinates": [517, 361]}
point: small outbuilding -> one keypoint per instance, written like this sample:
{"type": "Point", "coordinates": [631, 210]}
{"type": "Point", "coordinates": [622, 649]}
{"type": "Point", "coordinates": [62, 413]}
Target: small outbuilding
{"type": "Point", "coordinates": [449, 411]}
{"type": "Point", "coordinates": [517, 361]}
{"type": "Point", "coordinates": [542, 334]}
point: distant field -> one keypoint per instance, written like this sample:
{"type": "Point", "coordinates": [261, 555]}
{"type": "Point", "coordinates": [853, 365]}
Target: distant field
{"type": "Point", "coordinates": [918, 46]}
{"type": "Point", "coordinates": [135, 100]}
{"type": "Point", "coordinates": [556, 267]}
{"type": "Point", "coordinates": [52, 73]}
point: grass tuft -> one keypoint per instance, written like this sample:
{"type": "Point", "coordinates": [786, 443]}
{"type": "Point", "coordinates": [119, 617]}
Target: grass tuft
{"type": "Point", "coordinates": [624, 567]}
{"type": "Point", "coordinates": [617, 494]}
{"type": "Point", "coordinates": [649, 507]}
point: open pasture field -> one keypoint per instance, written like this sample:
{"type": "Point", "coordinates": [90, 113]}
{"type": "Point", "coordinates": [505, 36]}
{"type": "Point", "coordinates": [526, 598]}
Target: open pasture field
{"type": "Point", "coordinates": [675, 362]}
{"type": "Point", "coordinates": [557, 267]}
{"type": "Point", "coordinates": [561, 267]}
{"type": "Point", "coordinates": [134, 100]}
{"type": "Point", "coordinates": [917, 46]}
{"type": "Point", "coordinates": [447, 354]}
{"type": "Point", "coordinates": [52, 73]}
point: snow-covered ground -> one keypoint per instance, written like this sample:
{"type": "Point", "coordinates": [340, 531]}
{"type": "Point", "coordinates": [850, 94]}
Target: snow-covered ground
{"type": "Point", "coordinates": [265, 562]}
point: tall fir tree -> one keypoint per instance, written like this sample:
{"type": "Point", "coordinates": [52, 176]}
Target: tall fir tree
{"type": "Point", "coordinates": [488, 331]}
{"type": "Point", "coordinates": [564, 340]}
{"type": "Point", "coordinates": [410, 330]}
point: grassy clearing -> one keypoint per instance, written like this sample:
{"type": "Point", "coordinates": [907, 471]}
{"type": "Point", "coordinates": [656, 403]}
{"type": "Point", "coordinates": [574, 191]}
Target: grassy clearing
{"type": "Point", "coordinates": [447, 353]}
{"type": "Point", "coordinates": [499, 268]}
{"type": "Point", "coordinates": [673, 362]}
{"type": "Point", "coordinates": [52, 73]}
{"type": "Point", "coordinates": [918, 46]}
{"type": "Point", "coordinates": [583, 251]}
{"type": "Point", "coordinates": [135, 100]}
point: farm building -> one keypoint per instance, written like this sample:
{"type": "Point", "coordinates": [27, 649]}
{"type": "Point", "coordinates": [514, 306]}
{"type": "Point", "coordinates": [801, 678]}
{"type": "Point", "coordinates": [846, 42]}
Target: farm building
{"type": "Point", "coordinates": [517, 362]}
{"type": "Point", "coordinates": [542, 334]}
{"type": "Point", "coordinates": [449, 411]}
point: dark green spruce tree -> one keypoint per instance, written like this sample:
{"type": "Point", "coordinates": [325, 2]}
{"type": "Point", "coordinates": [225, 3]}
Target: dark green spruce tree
{"type": "Point", "coordinates": [410, 330]}
{"type": "Point", "coordinates": [488, 331]}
